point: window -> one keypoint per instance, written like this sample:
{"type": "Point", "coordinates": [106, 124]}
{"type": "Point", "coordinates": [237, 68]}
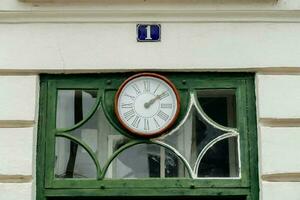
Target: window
{"type": "Point", "coordinates": [210, 152]}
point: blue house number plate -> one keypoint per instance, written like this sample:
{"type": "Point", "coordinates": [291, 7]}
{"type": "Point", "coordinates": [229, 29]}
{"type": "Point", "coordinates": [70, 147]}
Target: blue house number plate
{"type": "Point", "coordinates": [148, 32]}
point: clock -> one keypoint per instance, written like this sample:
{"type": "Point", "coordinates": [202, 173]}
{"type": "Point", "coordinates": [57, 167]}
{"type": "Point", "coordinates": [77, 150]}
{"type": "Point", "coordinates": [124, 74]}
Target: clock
{"type": "Point", "coordinates": [147, 104]}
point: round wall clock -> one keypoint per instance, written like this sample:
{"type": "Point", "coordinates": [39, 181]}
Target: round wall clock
{"type": "Point", "coordinates": [147, 104]}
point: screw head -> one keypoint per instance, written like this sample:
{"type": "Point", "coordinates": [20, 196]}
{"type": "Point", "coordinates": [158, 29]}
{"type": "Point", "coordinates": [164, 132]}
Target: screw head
{"type": "Point", "coordinates": [108, 82]}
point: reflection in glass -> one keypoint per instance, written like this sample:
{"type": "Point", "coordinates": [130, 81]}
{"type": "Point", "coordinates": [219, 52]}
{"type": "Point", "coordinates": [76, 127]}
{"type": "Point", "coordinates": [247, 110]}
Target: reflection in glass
{"type": "Point", "coordinates": [73, 106]}
{"type": "Point", "coordinates": [146, 161]}
{"type": "Point", "coordinates": [219, 105]}
{"type": "Point", "coordinates": [193, 137]}
{"type": "Point", "coordinates": [83, 167]}
{"type": "Point", "coordinates": [197, 134]}
{"type": "Point", "coordinates": [221, 160]}
{"type": "Point", "coordinates": [99, 135]}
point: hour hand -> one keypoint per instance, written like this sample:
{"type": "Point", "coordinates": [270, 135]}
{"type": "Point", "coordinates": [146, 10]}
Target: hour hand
{"type": "Point", "coordinates": [149, 103]}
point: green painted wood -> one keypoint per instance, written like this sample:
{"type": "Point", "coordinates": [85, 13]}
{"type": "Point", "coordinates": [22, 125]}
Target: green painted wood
{"type": "Point", "coordinates": [41, 142]}
{"type": "Point", "coordinates": [107, 85]}
{"type": "Point", "coordinates": [242, 129]}
{"type": "Point", "coordinates": [227, 197]}
{"type": "Point", "coordinates": [154, 183]}
{"type": "Point", "coordinates": [149, 192]}
{"type": "Point", "coordinates": [50, 133]}
{"type": "Point", "coordinates": [253, 142]}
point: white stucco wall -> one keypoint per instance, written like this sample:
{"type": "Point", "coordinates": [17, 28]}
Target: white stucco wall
{"type": "Point", "coordinates": [18, 107]}
{"type": "Point", "coordinates": [278, 133]}
{"type": "Point", "coordinates": [187, 46]}
{"type": "Point", "coordinates": [261, 36]}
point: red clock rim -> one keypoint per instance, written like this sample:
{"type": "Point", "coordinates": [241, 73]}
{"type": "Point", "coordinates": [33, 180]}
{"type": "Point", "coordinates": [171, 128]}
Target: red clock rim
{"type": "Point", "coordinates": [171, 123]}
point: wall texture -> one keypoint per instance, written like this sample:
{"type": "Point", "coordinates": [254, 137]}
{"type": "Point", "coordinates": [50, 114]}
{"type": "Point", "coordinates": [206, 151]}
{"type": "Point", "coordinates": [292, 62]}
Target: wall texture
{"type": "Point", "coordinates": [279, 128]}
{"type": "Point", "coordinates": [58, 36]}
{"type": "Point", "coordinates": [18, 107]}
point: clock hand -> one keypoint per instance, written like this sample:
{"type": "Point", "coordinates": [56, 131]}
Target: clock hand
{"type": "Point", "coordinates": [149, 103]}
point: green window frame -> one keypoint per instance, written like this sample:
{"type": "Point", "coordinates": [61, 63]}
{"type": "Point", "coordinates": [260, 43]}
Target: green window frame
{"type": "Point", "coordinates": [244, 187]}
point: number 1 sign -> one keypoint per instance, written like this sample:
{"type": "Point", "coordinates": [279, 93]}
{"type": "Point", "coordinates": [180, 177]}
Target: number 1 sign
{"type": "Point", "coordinates": [148, 32]}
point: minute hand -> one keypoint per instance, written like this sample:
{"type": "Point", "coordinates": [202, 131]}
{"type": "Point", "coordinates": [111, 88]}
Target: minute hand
{"type": "Point", "coordinates": [149, 103]}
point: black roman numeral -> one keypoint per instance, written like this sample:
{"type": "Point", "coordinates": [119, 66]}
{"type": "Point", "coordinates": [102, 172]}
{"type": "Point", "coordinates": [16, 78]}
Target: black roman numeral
{"type": "Point", "coordinates": [163, 115]}
{"type": "Point", "coordinates": [127, 105]}
{"type": "Point", "coordinates": [166, 105]}
{"type": "Point", "coordinates": [136, 88]}
{"type": "Point", "coordinates": [156, 123]}
{"type": "Point", "coordinates": [146, 86]}
{"type": "Point", "coordinates": [136, 121]}
{"type": "Point", "coordinates": [129, 114]}
{"type": "Point", "coordinates": [131, 97]}
{"type": "Point", "coordinates": [163, 95]}
{"type": "Point", "coordinates": [146, 124]}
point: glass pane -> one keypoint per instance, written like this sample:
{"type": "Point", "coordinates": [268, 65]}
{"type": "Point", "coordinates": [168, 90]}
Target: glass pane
{"type": "Point", "coordinates": [221, 160]}
{"type": "Point", "coordinates": [219, 105]}
{"type": "Point", "coordinates": [193, 136]}
{"type": "Point", "coordinates": [73, 106]}
{"type": "Point", "coordinates": [146, 161]}
{"type": "Point", "coordinates": [99, 135]}
{"type": "Point", "coordinates": [153, 161]}
{"type": "Point", "coordinates": [197, 134]}
{"type": "Point", "coordinates": [72, 161]}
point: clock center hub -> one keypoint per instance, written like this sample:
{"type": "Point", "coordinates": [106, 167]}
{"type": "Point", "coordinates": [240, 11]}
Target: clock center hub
{"type": "Point", "coordinates": [149, 110]}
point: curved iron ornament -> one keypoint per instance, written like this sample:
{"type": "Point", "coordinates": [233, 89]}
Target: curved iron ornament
{"type": "Point", "coordinates": [82, 122]}
{"type": "Point", "coordinates": [86, 147]}
{"type": "Point", "coordinates": [208, 146]}
{"type": "Point", "coordinates": [229, 132]}
{"type": "Point", "coordinates": [207, 118]}
{"type": "Point", "coordinates": [135, 142]}
{"type": "Point", "coordinates": [187, 165]}
{"type": "Point", "coordinates": [193, 103]}
{"type": "Point", "coordinates": [110, 119]}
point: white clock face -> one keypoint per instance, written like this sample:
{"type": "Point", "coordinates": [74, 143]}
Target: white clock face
{"type": "Point", "coordinates": [147, 105]}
